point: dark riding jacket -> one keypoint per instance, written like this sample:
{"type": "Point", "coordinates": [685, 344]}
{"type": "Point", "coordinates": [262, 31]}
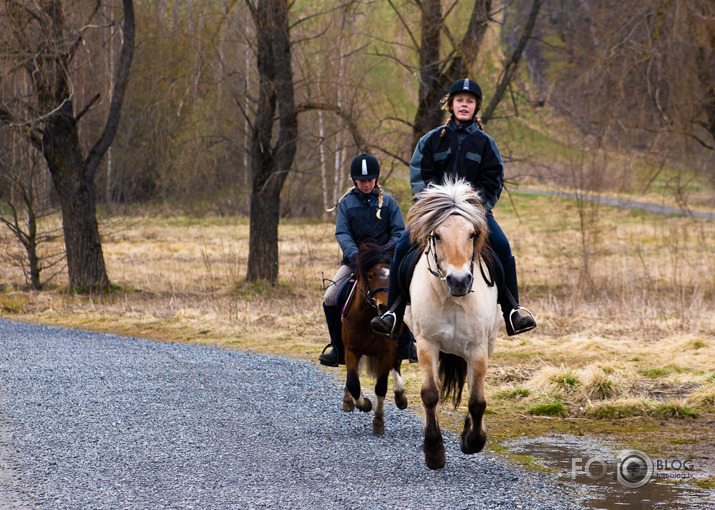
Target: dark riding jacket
{"type": "Point", "coordinates": [464, 151]}
{"type": "Point", "coordinates": [357, 222]}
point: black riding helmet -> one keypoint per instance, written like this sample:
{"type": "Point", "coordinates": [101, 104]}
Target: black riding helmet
{"type": "Point", "coordinates": [364, 167]}
{"type": "Point", "coordinates": [465, 85]}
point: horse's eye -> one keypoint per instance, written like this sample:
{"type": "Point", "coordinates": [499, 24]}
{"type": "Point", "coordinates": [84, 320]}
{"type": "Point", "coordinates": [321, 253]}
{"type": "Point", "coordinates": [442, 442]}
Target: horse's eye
{"type": "Point", "coordinates": [473, 236]}
{"type": "Point", "coordinates": [436, 237]}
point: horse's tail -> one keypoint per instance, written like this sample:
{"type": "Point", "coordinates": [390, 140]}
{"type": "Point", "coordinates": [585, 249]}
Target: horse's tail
{"type": "Point", "coordinates": [372, 366]}
{"type": "Point", "coordinates": [452, 375]}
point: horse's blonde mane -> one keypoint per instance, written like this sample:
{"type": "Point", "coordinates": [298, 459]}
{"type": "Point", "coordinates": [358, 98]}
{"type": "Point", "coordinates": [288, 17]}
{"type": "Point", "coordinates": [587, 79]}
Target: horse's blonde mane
{"type": "Point", "coordinates": [437, 202]}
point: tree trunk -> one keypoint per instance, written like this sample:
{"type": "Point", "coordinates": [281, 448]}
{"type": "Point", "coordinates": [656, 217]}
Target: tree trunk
{"type": "Point", "coordinates": [436, 73]}
{"type": "Point", "coordinates": [270, 164]}
{"type": "Point", "coordinates": [72, 173]}
{"type": "Point", "coordinates": [61, 148]}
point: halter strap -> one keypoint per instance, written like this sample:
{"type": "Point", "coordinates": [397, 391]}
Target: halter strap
{"type": "Point", "coordinates": [440, 274]}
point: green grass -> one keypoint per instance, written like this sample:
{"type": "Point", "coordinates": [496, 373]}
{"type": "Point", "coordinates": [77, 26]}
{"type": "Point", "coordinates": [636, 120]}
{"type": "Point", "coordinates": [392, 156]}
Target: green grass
{"type": "Point", "coordinates": [553, 408]}
{"type": "Point", "coordinates": [706, 483]}
{"type": "Point", "coordinates": [568, 381]}
{"type": "Point", "coordinates": [657, 373]}
{"type": "Point", "coordinates": [676, 410]}
{"type": "Point", "coordinates": [612, 411]}
{"type": "Point", "coordinates": [514, 393]}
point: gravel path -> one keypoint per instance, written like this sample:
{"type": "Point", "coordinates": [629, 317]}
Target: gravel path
{"type": "Point", "coordinates": [90, 420]}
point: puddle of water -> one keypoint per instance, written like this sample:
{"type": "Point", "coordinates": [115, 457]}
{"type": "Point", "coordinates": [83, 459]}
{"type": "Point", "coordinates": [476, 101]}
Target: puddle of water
{"type": "Point", "coordinates": [595, 467]}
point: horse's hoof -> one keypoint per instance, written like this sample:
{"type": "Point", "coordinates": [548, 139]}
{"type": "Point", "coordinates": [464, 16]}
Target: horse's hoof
{"type": "Point", "coordinates": [364, 405]}
{"type": "Point", "coordinates": [434, 453]}
{"type": "Point", "coordinates": [435, 461]}
{"type": "Point", "coordinates": [470, 445]}
{"type": "Point", "coordinates": [348, 406]}
{"type": "Point", "coordinates": [378, 430]}
{"type": "Point", "coordinates": [401, 400]}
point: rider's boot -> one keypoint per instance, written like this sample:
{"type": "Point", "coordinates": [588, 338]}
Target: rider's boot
{"type": "Point", "coordinates": [406, 348]}
{"type": "Point", "coordinates": [516, 323]}
{"type": "Point", "coordinates": [389, 323]}
{"type": "Point", "coordinates": [335, 356]}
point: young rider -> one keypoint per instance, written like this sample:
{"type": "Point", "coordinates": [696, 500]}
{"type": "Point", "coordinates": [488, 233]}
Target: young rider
{"type": "Point", "coordinates": [460, 149]}
{"type": "Point", "coordinates": [365, 212]}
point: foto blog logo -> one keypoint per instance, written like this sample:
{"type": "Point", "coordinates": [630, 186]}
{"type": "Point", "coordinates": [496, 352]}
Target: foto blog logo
{"type": "Point", "coordinates": [632, 468]}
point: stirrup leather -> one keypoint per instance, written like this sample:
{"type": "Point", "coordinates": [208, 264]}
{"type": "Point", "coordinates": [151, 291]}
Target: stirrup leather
{"type": "Point", "coordinates": [511, 320]}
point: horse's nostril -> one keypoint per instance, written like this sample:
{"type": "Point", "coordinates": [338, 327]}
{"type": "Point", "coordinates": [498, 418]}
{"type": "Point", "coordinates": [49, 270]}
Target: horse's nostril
{"type": "Point", "coordinates": [381, 309]}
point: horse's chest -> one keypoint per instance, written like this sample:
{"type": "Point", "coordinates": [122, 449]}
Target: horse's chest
{"type": "Point", "coordinates": [453, 324]}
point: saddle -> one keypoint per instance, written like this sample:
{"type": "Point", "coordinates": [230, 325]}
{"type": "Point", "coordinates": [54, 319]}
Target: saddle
{"type": "Point", "coordinates": [346, 293]}
{"type": "Point", "coordinates": [412, 257]}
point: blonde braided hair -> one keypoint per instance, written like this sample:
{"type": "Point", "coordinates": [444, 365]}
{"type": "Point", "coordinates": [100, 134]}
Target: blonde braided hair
{"type": "Point", "coordinates": [380, 198]}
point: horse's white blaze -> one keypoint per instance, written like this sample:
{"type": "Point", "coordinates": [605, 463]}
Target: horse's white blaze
{"type": "Point", "coordinates": [384, 272]}
{"type": "Point", "coordinates": [455, 247]}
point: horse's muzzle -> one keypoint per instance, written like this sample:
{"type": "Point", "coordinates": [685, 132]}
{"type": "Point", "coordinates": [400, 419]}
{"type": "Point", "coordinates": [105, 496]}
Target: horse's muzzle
{"type": "Point", "coordinates": [459, 285]}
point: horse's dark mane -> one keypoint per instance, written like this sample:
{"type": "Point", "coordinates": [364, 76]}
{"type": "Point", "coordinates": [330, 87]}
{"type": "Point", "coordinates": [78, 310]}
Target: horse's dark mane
{"type": "Point", "coordinates": [370, 254]}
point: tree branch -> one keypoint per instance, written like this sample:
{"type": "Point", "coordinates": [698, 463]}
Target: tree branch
{"type": "Point", "coordinates": [350, 122]}
{"type": "Point", "coordinates": [115, 108]}
{"type": "Point", "coordinates": [512, 62]}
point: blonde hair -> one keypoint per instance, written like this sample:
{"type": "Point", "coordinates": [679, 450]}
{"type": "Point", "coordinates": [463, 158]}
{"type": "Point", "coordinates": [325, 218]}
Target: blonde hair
{"type": "Point", "coordinates": [380, 198]}
{"type": "Point", "coordinates": [445, 106]}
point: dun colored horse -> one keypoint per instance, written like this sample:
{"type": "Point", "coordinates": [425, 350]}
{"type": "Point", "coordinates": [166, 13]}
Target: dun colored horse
{"type": "Point", "coordinates": [453, 313]}
{"type": "Point", "coordinates": [372, 266]}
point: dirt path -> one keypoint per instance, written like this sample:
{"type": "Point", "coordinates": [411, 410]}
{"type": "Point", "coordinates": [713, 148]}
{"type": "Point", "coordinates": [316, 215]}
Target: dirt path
{"type": "Point", "coordinates": [622, 203]}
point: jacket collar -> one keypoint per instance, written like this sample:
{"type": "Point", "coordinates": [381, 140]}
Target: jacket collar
{"type": "Point", "coordinates": [463, 128]}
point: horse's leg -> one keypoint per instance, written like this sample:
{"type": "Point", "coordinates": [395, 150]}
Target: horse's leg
{"type": "Point", "coordinates": [351, 366]}
{"type": "Point", "coordinates": [433, 446]}
{"type": "Point", "coordinates": [378, 422]}
{"type": "Point", "coordinates": [474, 436]}
{"type": "Point", "coordinates": [398, 385]}
{"type": "Point", "coordinates": [352, 384]}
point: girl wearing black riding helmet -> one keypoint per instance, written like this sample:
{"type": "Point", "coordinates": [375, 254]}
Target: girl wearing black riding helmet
{"type": "Point", "coordinates": [461, 149]}
{"type": "Point", "coordinates": [364, 212]}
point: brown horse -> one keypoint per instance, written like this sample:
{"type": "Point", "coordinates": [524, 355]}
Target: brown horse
{"type": "Point", "coordinates": [372, 267]}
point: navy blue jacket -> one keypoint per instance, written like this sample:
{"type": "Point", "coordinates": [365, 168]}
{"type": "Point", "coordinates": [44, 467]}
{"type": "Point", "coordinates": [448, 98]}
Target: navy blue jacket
{"type": "Point", "coordinates": [357, 222]}
{"type": "Point", "coordinates": [463, 152]}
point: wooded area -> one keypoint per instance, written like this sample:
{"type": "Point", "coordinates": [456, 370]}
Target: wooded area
{"type": "Point", "coordinates": [257, 107]}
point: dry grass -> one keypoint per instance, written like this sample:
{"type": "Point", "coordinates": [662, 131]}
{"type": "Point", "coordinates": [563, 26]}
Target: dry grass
{"type": "Point", "coordinates": [626, 322]}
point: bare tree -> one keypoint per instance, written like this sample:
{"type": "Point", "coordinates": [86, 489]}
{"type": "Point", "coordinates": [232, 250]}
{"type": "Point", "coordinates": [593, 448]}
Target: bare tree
{"type": "Point", "coordinates": [270, 161]}
{"type": "Point", "coordinates": [439, 68]}
{"type": "Point", "coordinates": [45, 42]}
{"type": "Point", "coordinates": [21, 190]}
{"type": "Point", "coordinates": [641, 73]}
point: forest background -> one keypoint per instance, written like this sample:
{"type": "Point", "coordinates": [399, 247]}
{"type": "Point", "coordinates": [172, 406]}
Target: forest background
{"type": "Point", "coordinates": [606, 99]}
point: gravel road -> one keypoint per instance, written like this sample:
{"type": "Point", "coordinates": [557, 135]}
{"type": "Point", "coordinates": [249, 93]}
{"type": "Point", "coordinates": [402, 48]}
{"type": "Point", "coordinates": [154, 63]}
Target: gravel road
{"type": "Point", "coordinates": [90, 420]}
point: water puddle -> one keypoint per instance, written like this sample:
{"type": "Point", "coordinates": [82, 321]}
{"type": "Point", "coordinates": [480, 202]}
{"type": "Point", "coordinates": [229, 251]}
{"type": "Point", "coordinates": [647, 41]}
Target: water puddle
{"type": "Point", "coordinates": [617, 479]}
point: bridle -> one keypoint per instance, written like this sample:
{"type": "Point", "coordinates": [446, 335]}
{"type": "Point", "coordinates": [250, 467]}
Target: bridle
{"type": "Point", "coordinates": [439, 273]}
{"type": "Point", "coordinates": [369, 296]}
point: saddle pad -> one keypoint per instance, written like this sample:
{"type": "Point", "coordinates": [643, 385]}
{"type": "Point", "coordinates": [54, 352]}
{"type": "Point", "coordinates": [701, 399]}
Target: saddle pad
{"type": "Point", "coordinates": [407, 268]}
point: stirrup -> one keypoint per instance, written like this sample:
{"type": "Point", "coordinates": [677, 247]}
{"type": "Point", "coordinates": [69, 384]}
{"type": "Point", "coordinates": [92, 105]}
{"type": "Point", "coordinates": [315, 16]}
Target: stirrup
{"type": "Point", "coordinates": [510, 330]}
{"type": "Point", "coordinates": [328, 363]}
{"type": "Point", "coordinates": [391, 333]}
